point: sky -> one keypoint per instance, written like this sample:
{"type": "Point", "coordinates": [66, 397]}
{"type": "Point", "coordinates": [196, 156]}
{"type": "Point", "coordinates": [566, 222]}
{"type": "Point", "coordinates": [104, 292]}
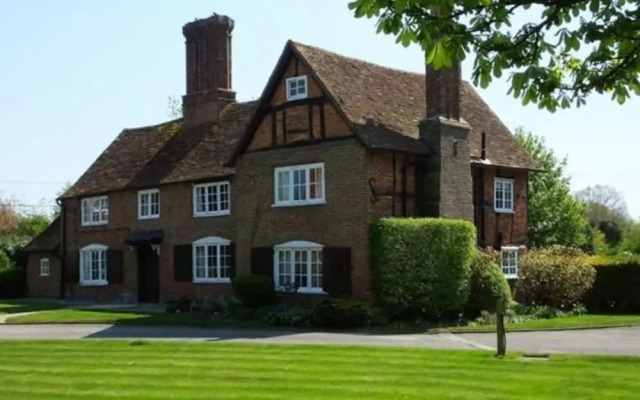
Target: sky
{"type": "Point", "coordinates": [74, 73]}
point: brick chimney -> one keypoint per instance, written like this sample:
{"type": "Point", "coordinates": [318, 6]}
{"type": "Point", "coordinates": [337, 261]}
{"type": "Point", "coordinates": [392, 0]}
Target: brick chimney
{"type": "Point", "coordinates": [444, 184]}
{"type": "Point", "coordinates": [208, 48]}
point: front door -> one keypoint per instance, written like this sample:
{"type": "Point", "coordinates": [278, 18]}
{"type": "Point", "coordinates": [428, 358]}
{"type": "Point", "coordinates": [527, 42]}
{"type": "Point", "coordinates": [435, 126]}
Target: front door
{"type": "Point", "coordinates": [148, 275]}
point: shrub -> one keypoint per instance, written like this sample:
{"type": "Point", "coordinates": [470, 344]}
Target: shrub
{"type": "Point", "coordinates": [617, 285]}
{"type": "Point", "coordinates": [254, 290]}
{"type": "Point", "coordinates": [488, 285]}
{"type": "Point", "coordinates": [12, 279]}
{"type": "Point", "coordinates": [421, 267]}
{"type": "Point", "coordinates": [295, 316]}
{"type": "Point", "coordinates": [556, 277]}
{"type": "Point", "coordinates": [341, 314]}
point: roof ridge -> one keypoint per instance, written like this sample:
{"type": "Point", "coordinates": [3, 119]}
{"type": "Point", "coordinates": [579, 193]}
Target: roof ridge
{"type": "Point", "coordinates": [359, 60]}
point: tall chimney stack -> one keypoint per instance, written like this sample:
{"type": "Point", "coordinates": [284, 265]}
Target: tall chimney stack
{"type": "Point", "coordinates": [444, 183]}
{"type": "Point", "coordinates": [208, 50]}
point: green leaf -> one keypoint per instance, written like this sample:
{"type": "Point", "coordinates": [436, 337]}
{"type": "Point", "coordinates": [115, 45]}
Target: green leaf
{"type": "Point", "coordinates": [439, 57]}
{"type": "Point", "coordinates": [401, 5]}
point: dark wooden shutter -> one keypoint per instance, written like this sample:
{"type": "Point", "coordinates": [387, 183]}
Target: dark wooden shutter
{"type": "Point", "coordinates": [183, 263]}
{"type": "Point", "coordinates": [262, 261]}
{"type": "Point", "coordinates": [232, 260]}
{"type": "Point", "coordinates": [72, 268]}
{"type": "Point", "coordinates": [115, 267]}
{"type": "Point", "coordinates": [336, 270]}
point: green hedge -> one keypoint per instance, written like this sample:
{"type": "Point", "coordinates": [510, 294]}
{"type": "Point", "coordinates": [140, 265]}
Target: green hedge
{"type": "Point", "coordinates": [617, 286]}
{"type": "Point", "coordinates": [12, 279]}
{"type": "Point", "coordinates": [421, 266]}
{"type": "Point", "coordinates": [488, 285]}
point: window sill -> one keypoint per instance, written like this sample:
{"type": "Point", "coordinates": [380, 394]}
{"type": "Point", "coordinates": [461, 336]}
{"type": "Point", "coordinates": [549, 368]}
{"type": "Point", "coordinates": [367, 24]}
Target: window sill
{"type": "Point", "coordinates": [44, 276]}
{"type": "Point", "coordinates": [94, 283]}
{"type": "Point", "coordinates": [304, 291]}
{"type": "Point", "coordinates": [300, 204]}
{"type": "Point", "coordinates": [511, 276]}
{"type": "Point", "coordinates": [214, 280]}
{"type": "Point", "coordinates": [86, 224]}
{"type": "Point", "coordinates": [503, 211]}
{"type": "Point", "coordinates": [149, 217]}
{"type": "Point", "coordinates": [214, 214]}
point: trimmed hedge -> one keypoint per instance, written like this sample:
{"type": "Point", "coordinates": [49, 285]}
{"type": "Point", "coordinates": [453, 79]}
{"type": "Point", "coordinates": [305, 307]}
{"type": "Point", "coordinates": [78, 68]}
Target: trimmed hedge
{"type": "Point", "coordinates": [421, 266]}
{"type": "Point", "coordinates": [617, 286]}
{"type": "Point", "coordinates": [488, 285]}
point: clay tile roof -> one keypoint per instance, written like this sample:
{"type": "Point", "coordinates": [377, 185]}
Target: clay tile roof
{"type": "Point", "coordinates": [166, 153]}
{"type": "Point", "coordinates": [48, 240]}
{"type": "Point", "coordinates": [393, 101]}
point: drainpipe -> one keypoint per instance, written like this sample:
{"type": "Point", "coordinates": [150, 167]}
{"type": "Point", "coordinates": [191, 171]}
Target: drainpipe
{"type": "Point", "coordinates": [63, 247]}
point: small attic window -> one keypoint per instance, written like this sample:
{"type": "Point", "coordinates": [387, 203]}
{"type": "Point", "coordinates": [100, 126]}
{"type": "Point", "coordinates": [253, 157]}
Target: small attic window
{"type": "Point", "coordinates": [297, 88]}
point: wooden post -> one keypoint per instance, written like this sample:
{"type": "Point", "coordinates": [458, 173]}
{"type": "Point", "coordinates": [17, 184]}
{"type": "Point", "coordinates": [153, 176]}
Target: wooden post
{"type": "Point", "coordinates": [502, 335]}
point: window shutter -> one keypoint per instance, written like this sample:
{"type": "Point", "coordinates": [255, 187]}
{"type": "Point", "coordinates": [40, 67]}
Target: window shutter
{"type": "Point", "coordinates": [115, 267]}
{"type": "Point", "coordinates": [183, 263]}
{"type": "Point", "coordinates": [72, 268]}
{"type": "Point", "coordinates": [232, 260]}
{"type": "Point", "coordinates": [336, 270]}
{"type": "Point", "coordinates": [262, 261]}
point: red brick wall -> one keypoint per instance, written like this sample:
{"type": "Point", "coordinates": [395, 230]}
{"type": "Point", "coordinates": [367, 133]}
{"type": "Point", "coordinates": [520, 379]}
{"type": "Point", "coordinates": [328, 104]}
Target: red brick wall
{"type": "Point", "coordinates": [179, 227]}
{"type": "Point", "coordinates": [511, 227]}
{"type": "Point", "coordinates": [389, 199]}
{"type": "Point", "coordinates": [43, 286]}
{"type": "Point", "coordinates": [342, 221]}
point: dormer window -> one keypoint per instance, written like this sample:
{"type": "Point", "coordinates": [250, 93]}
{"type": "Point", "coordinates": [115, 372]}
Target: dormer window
{"type": "Point", "coordinates": [297, 88]}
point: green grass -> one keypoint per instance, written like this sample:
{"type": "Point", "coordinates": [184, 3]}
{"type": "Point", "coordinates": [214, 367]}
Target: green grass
{"type": "Point", "coordinates": [22, 305]}
{"type": "Point", "coordinates": [580, 321]}
{"type": "Point", "coordinates": [97, 370]}
{"type": "Point", "coordinates": [76, 316]}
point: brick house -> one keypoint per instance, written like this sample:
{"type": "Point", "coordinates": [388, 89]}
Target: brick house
{"type": "Point", "coordinates": [287, 186]}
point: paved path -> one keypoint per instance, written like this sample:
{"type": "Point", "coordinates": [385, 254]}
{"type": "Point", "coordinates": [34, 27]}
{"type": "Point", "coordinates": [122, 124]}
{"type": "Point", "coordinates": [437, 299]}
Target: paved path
{"type": "Point", "coordinates": [596, 341]}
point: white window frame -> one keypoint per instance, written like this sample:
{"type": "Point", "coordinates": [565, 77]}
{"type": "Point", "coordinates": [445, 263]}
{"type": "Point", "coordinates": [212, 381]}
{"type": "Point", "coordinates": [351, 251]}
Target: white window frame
{"type": "Point", "coordinates": [291, 202]}
{"type": "Point", "coordinates": [218, 186]}
{"type": "Point", "coordinates": [293, 246]}
{"type": "Point", "coordinates": [503, 208]}
{"type": "Point", "coordinates": [149, 193]}
{"type": "Point", "coordinates": [45, 267]}
{"type": "Point", "coordinates": [218, 242]}
{"type": "Point", "coordinates": [506, 267]}
{"type": "Point", "coordinates": [103, 217]}
{"type": "Point", "coordinates": [88, 251]}
{"type": "Point", "coordinates": [297, 80]}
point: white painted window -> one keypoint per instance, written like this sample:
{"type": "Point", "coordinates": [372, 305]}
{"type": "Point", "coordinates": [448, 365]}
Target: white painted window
{"type": "Point", "coordinates": [509, 261]}
{"type": "Point", "coordinates": [503, 195]}
{"type": "Point", "coordinates": [148, 204]}
{"type": "Point", "coordinates": [95, 211]}
{"type": "Point", "coordinates": [211, 199]}
{"type": "Point", "coordinates": [299, 185]}
{"type": "Point", "coordinates": [45, 267]}
{"type": "Point", "coordinates": [298, 264]}
{"type": "Point", "coordinates": [211, 260]}
{"type": "Point", "coordinates": [93, 265]}
{"type": "Point", "coordinates": [297, 88]}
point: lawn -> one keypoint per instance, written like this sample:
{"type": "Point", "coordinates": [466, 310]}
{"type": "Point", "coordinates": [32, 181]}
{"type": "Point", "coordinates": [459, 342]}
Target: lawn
{"type": "Point", "coordinates": [123, 370]}
{"type": "Point", "coordinates": [578, 321]}
{"type": "Point", "coordinates": [130, 317]}
{"type": "Point", "coordinates": [22, 305]}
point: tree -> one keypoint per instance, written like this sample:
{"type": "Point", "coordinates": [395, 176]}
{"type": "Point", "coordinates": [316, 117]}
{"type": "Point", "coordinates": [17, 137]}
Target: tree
{"type": "Point", "coordinates": [559, 51]}
{"type": "Point", "coordinates": [607, 211]}
{"type": "Point", "coordinates": [631, 241]}
{"type": "Point", "coordinates": [554, 215]}
{"type": "Point", "coordinates": [174, 107]}
{"type": "Point", "coordinates": [8, 217]}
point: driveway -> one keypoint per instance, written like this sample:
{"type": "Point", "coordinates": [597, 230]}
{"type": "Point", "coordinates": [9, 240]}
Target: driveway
{"type": "Point", "coordinates": [615, 341]}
